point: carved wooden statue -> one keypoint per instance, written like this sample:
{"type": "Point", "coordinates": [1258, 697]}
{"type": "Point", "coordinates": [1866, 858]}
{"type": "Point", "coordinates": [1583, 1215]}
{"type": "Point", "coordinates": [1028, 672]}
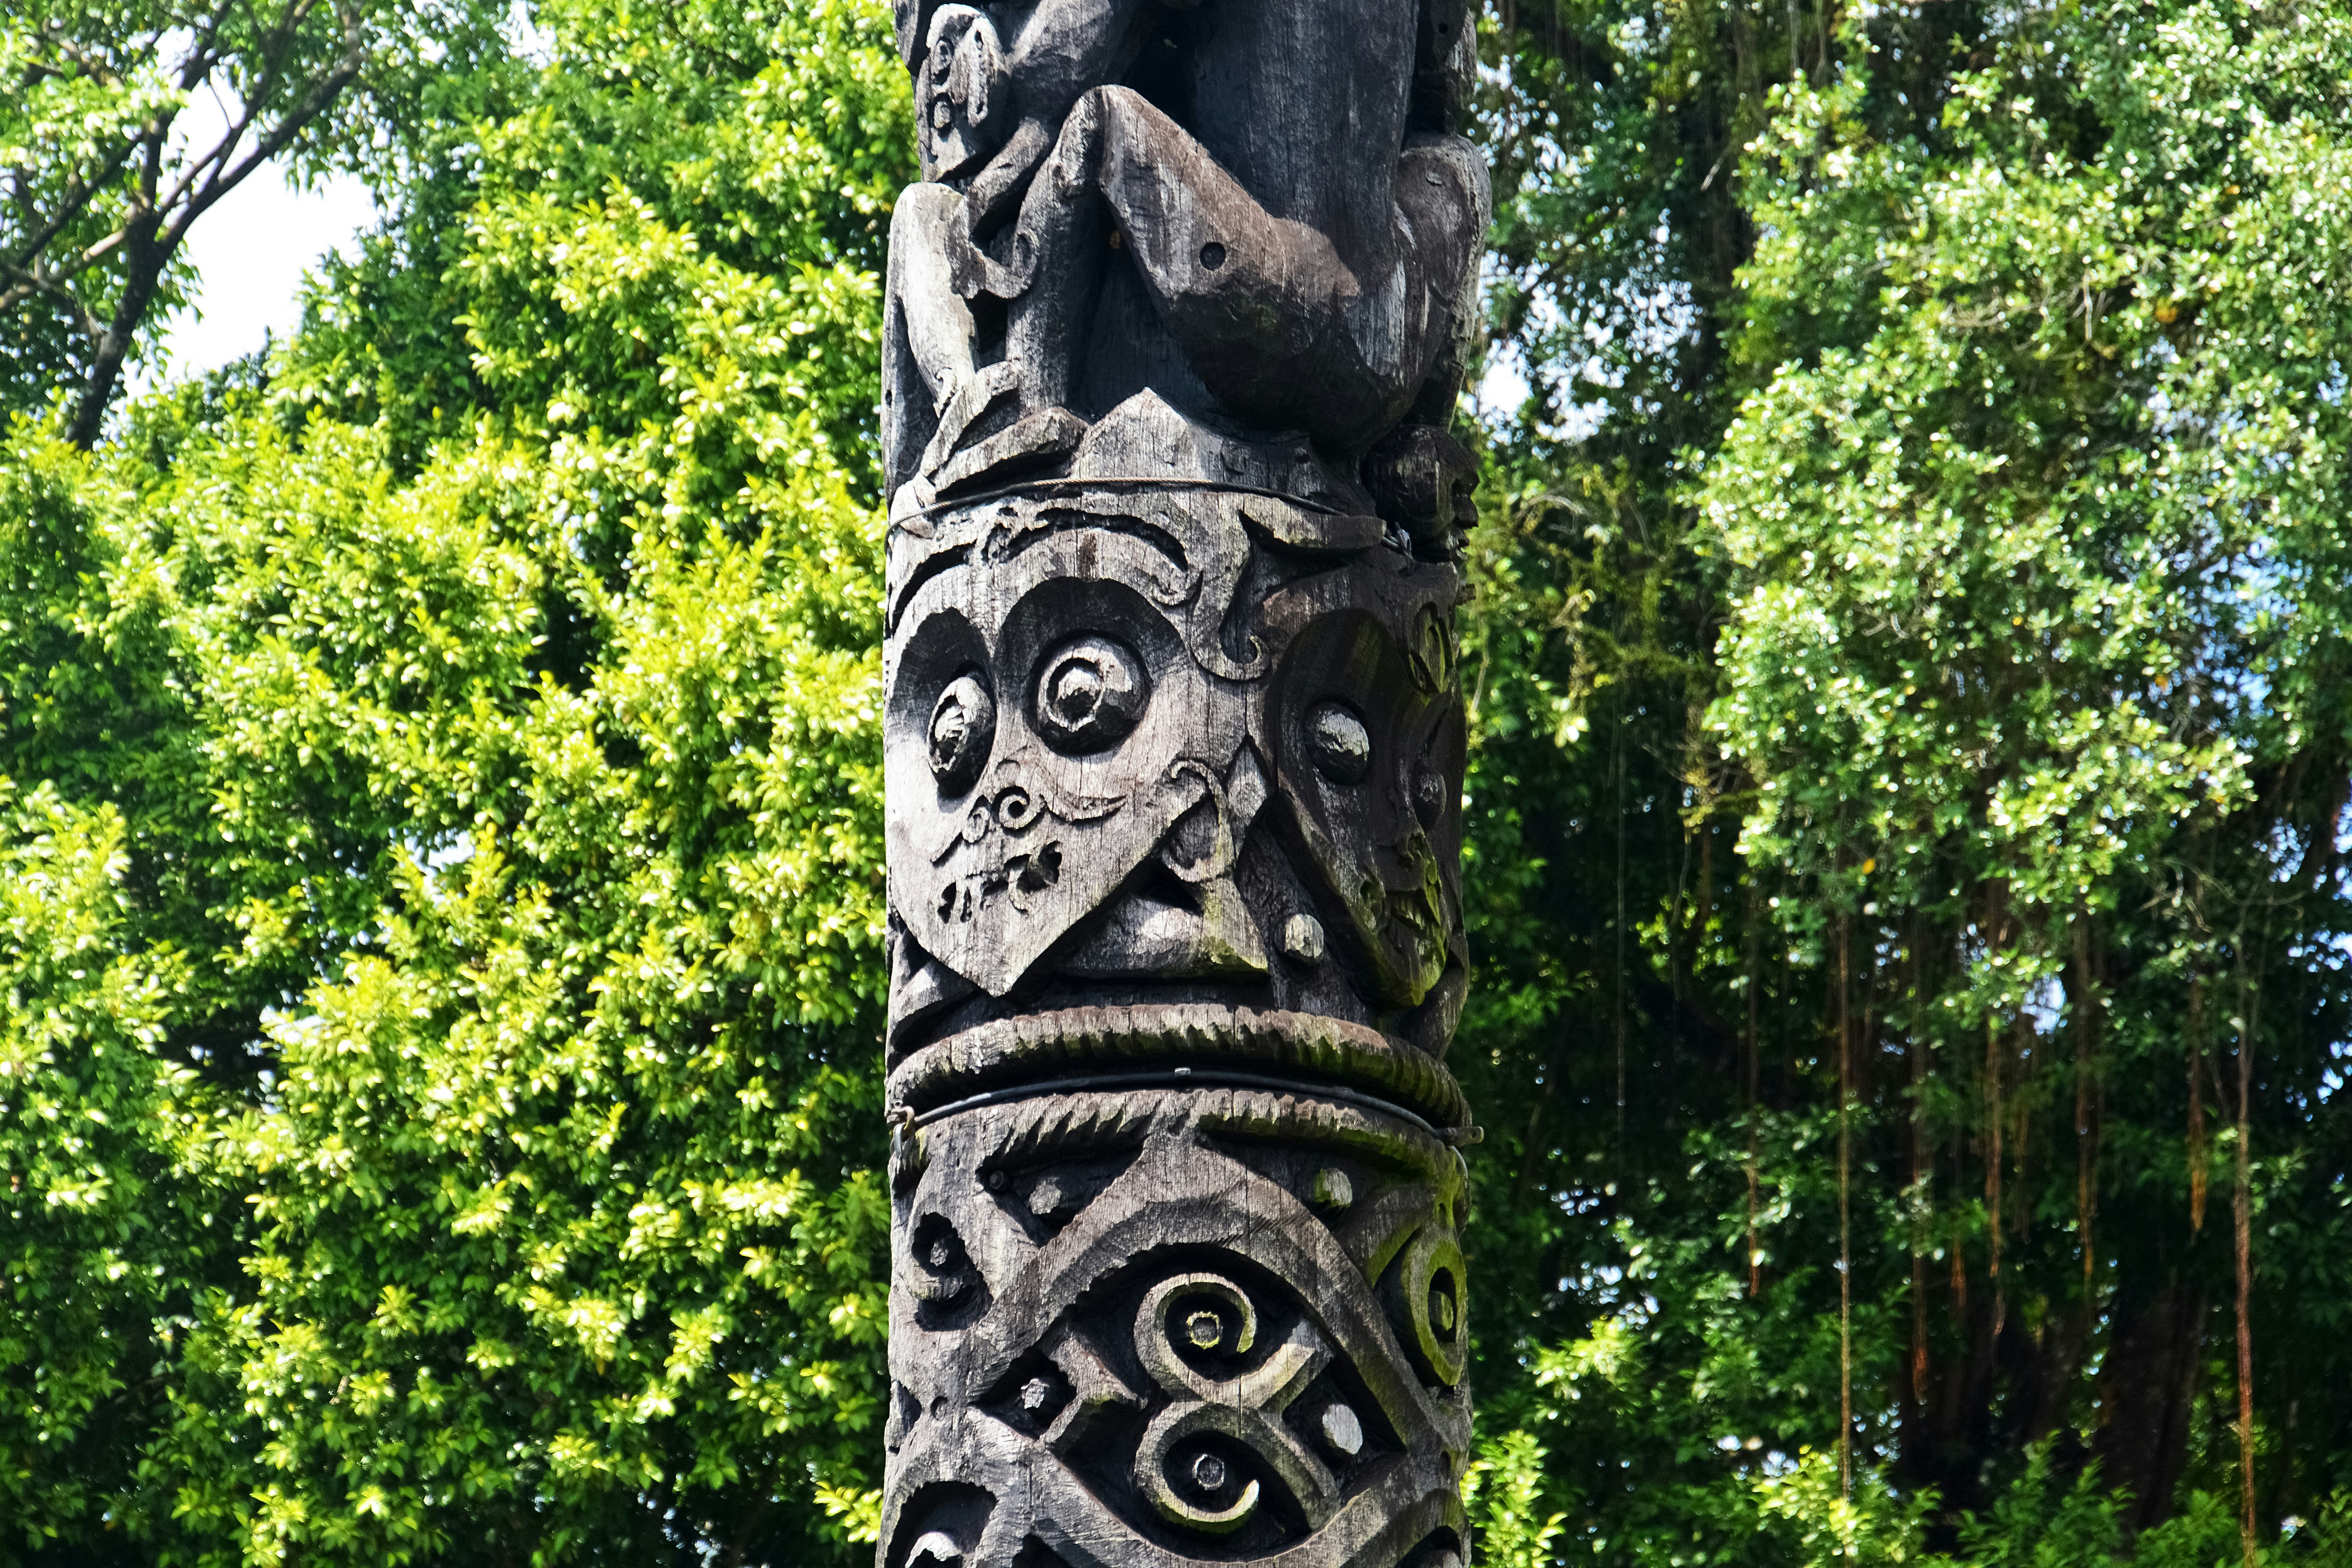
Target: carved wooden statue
{"type": "Point", "coordinates": [1174, 749]}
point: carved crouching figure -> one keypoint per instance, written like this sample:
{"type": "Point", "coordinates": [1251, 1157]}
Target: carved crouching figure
{"type": "Point", "coordinates": [1275, 230]}
{"type": "Point", "coordinates": [1173, 756]}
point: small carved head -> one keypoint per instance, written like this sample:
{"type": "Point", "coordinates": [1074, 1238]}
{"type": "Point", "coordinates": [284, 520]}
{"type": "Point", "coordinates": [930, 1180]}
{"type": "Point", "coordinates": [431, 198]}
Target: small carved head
{"type": "Point", "coordinates": [1366, 725]}
{"type": "Point", "coordinates": [963, 92]}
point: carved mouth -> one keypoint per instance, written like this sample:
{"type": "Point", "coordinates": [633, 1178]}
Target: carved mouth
{"type": "Point", "coordinates": [1413, 935]}
{"type": "Point", "coordinates": [1015, 876]}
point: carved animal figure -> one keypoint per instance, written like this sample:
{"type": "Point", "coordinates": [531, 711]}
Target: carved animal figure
{"type": "Point", "coordinates": [1257, 211]}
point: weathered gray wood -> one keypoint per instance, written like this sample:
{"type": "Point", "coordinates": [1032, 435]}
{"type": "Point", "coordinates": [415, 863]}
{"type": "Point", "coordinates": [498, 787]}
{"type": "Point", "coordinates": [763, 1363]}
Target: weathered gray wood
{"type": "Point", "coordinates": [1173, 760]}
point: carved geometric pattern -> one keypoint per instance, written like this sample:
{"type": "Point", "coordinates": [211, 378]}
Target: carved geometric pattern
{"type": "Point", "coordinates": [1227, 1353]}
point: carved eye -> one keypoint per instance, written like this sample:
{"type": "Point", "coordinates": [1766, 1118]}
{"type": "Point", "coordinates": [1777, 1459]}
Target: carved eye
{"type": "Point", "coordinates": [1444, 1311]}
{"type": "Point", "coordinates": [1430, 658]}
{"type": "Point", "coordinates": [1429, 794]}
{"type": "Point", "coordinates": [1339, 742]}
{"type": "Point", "coordinates": [964, 729]}
{"type": "Point", "coordinates": [1090, 693]}
{"type": "Point", "coordinates": [940, 1252]}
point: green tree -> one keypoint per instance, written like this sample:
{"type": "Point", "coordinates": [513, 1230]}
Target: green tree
{"type": "Point", "coordinates": [96, 1129]}
{"type": "Point", "coordinates": [108, 167]}
{"type": "Point", "coordinates": [491, 919]}
{"type": "Point", "coordinates": [1985, 577]}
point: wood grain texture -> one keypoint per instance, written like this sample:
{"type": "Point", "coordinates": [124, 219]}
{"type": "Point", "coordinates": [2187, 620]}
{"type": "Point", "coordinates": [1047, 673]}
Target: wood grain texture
{"type": "Point", "coordinates": [1174, 754]}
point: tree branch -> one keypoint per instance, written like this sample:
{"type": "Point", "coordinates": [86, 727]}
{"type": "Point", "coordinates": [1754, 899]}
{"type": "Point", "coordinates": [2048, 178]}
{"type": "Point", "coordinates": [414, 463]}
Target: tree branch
{"type": "Point", "coordinates": [154, 233]}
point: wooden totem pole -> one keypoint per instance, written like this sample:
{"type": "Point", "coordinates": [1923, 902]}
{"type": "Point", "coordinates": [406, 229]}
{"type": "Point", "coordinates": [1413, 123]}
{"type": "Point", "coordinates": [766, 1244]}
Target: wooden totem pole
{"type": "Point", "coordinates": [1174, 749]}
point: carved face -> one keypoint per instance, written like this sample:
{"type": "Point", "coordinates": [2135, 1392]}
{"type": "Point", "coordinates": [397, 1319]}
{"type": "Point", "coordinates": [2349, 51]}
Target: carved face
{"type": "Point", "coordinates": [961, 92]}
{"type": "Point", "coordinates": [1366, 729]}
{"type": "Point", "coordinates": [1046, 728]}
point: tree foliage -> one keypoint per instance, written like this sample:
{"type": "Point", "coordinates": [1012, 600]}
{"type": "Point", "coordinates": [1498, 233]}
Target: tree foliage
{"type": "Point", "coordinates": [1957, 745]}
{"type": "Point", "coordinates": [471, 814]}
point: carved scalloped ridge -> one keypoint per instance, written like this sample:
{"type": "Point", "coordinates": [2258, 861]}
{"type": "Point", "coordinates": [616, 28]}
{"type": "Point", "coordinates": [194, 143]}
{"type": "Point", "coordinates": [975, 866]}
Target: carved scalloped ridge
{"type": "Point", "coordinates": [1005, 1052]}
{"type": "Point", "coordinates": [1082, 1122]}
{"type": "Point", "coordinates": [1285, 1118]}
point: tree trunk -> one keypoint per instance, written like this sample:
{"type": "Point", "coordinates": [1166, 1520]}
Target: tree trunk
{"type": "Point", "coordinates": [1173, 755]}
{"type": "Point", "coordinates": [2148, 1387]}
{"type": "Point", "coordinates": [145, 261]}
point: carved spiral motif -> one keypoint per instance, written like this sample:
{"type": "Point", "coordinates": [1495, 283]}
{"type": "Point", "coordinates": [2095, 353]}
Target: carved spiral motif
{"type": "Point", "coordinates": [1114, 1341]}
{"type": "Point", "coordinates": [1091, 692]}
{"type": "Point", "coordinates": [1430, 1288]}
{"type": "Point", "coordinates": [1193, 1334]}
